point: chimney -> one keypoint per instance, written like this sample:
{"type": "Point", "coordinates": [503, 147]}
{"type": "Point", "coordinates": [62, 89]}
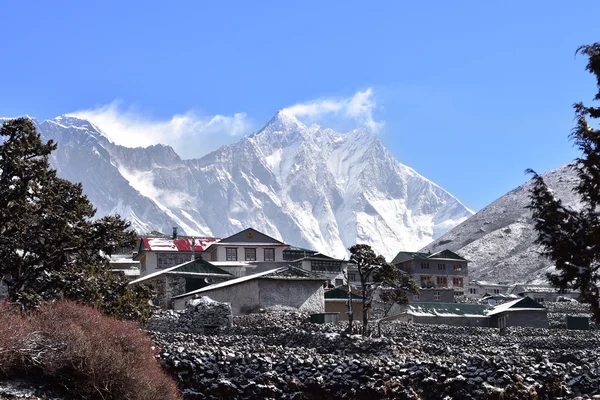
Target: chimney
{"type": "Point", "coordinates": [174, 232]}
{"type": "Point", "coordinates": [193, 249]}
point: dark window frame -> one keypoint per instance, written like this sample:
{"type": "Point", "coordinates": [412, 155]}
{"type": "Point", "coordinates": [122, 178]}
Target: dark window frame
{"type": "Point", "coordinates": [246, 249]}
{"type": "Point", "coordinates": [265, 254]}
{"type": "Point", "coordinates": [228, 257]}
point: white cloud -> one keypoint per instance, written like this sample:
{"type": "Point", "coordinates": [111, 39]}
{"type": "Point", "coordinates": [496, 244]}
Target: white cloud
{"type": "Point", "coordinates": [359, 108]}
{"type": "Point", "coordinates": [190, 134]}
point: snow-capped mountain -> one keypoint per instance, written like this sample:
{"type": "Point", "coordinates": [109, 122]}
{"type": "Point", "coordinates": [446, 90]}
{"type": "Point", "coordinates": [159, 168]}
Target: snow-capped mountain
{"type": "Point", "coordinates": [499, 239]}
{"type": "Point", "coordinates": [308, 186]}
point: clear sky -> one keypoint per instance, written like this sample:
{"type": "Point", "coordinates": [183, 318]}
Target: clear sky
{"type": "Point", "coordinates": [468, 93]}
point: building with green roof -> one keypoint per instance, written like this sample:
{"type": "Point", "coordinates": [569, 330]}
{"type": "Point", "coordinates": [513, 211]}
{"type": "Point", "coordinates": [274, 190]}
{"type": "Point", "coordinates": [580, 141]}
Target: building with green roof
{"type": "Point", "coordinates": [182, 278]}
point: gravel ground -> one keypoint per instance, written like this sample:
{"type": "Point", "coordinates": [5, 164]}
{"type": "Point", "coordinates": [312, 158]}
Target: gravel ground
{"type": "Point", "coordinates": [282, 356]}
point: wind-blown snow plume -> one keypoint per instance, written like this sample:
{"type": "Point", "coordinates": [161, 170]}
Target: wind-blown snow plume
{"type": "Point", "coordinates": [190, 134]}
{"type": "Point", "coordinates": [358, 108]}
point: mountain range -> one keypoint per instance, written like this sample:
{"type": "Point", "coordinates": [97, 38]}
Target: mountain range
{"type": "Point", "coordinates": [306, 185]}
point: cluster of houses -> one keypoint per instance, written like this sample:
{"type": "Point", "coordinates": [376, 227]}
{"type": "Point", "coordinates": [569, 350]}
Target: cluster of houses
{"type": "Point", "coordinates": [252, 271]}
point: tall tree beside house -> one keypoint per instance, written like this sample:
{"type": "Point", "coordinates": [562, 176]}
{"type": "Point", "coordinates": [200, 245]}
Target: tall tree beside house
{"type": "Point", "coordinates": [571, 238]}
{"type": "Point", "coordinates": [376, 273]}
{"type": "Point", "coordinates": [50, 245]}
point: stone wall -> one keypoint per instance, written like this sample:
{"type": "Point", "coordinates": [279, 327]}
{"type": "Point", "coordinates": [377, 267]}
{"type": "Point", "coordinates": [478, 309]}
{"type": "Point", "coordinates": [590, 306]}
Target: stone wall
{"type": "Point", "coordinates": [306, 296]}
{"type": "Point", "coordinates": [168, 286]}
{"type": "Point", "coordinates": [200, 316]}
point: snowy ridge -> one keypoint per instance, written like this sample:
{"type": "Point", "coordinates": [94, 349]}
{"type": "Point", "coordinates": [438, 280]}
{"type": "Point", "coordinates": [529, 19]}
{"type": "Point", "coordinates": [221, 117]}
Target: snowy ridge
{"type": "Point", "coordinates": [305, 185]}
{"type": "Point", "coordinates": [499, 239]}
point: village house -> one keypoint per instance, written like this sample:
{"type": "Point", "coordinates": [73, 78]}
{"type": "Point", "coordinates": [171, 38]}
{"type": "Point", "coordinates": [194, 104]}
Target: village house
{"type": "Point", "coordinates": [520, 312]}
{"type": "Point", "coordinates": [287, 286]}
{"type": "Point", "coordinates": [239, 254]}
{"type": "Point", "coordinates": [435, 272]}
{"type": "Point", "coordinates": [182, 278]}
{"type": "Point", "coordinates": [480, 289]}
{"type": "Point", "coordinates": [324, 265]}
{"type": "Point", "coordinates": [542, 293]}
{"type": "Point", "coordinates": [336, 301]}
{"type": "Point", "coordinates": [159, 253]}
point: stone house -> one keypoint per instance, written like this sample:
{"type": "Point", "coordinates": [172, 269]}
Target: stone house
{"type": "Point", "coordinates": [287, 286]}
{"type": "Point", "coordinates": [160, 253]}
{"type": "Point", "coordinates": [442, 270]}
{"type": "Point", "coordinates": [321, 264]}
{"type": "Point", "coordinates": [519, 312]}
{"type": "Point", "coordinates": [480, 289]}
{"type": "Point", "coordinates": [240, 254]}
{"type": "Point", "coordinates": [247, 252]}
{"type": "Point", "coordinates": [541, 293]}
{"type": "Point", "coordinates": [440, 314]}
{"type": "Point", "coordinates": [336, 301]}
{"type": "Point", "coordinates": [437, 295]}
{"type": "Point", "coordinates": [182, 278]}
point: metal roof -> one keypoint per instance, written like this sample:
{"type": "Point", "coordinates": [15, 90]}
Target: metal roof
{"type": "Point", "coordinates": [197, 267]}
{"type": "Point", "coordinates": [415, 255]}
{"type": "Point", "coordinates": [523, 304]}
{"type": "Point", "coordinates": [439, 309]}
{"type": "Point", "coordinates": [341, 293]}
{"type": "Point", "coordinates": [284, 273]}
{"type": "Point", "coordinates": [180, 244]}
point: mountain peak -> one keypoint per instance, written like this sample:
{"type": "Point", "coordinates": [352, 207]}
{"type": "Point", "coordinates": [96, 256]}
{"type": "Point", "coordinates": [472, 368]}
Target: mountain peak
{"type": "Point", "coordinates": [75, 122]}
{"type": "Point", "coordinates": [285, 121]}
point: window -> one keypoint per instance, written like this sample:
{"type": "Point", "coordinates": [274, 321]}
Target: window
{"type": "Point", "coordinates": [325, 266]}
{"type": "Point", "coordinates": [250, 254]}
{"type": "Point", "coordinates": [231, 254]}
{"type": "Point", "coordinates": [424, 265]}
{"type": "Point", "coordinates": [457, 281]}
{"type": "Point", "coordinates": [165, 260]}
{"type": "Point", "coordinates": [351, 277]}
{"type": "Point", "coordinates": [442, 267]}
{"type": "Point", "coordinates": [436, 295]}
{"type": "Point", "coordinates": [459, 293]}
{"type": "Point", "coordinates": [496, 291]}
{"type": "Point", "coordinates": [269, 254]}
{"type": "Point", "coordinates": [458, 267]}
{"type": "Point", "coordinates": [473, 290]}
{"type": "Point", "coordinates": [425, 280]}
{"type": "Point", "coordinates": [416, 297]}
{"type": "Point", "coordinates": [539, 299]}
{"type": "Point", "coordinates": [442, 281]}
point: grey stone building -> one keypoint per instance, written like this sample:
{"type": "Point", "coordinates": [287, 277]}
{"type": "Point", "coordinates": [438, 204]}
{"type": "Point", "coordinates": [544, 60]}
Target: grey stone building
{"type": "Point", "coordinates": [181, 279]}
{"type": "Point", "coordinates": [520, 312]}
{"type": "Point", "coordinates": [542, 293]}
{"type": "Point", "coordinates": [442, 270]}
{"type": "Point", "coordinates": [285, 286]}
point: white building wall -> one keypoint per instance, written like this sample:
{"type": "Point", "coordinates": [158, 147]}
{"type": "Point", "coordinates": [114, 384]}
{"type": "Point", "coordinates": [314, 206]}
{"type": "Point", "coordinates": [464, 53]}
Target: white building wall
{"type": "Point", "coordinates": [241, 253]}
{"type": "Point", "coordinates": [148, 266]}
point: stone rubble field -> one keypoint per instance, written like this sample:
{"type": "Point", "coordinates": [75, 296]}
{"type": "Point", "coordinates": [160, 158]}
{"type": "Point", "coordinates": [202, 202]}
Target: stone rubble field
{"type": "Point", "coordinates": [280, 355]}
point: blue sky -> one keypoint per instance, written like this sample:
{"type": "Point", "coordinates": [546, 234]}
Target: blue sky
{"type": "Point", "coordinates": [468, 93]}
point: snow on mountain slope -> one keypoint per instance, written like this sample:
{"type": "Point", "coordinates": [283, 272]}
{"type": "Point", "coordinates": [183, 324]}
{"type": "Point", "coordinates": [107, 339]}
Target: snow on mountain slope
{"type": "Point", "coordinates": [308, 186]}
{"type": "Point", "coordinates": [499, 239]}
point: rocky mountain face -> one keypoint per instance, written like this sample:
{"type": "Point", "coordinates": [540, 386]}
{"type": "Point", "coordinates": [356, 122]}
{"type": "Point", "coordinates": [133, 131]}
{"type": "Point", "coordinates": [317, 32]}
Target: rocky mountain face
{"type": "Point", "coordinates": [307, 186]}
{"type": "Point", "coordinates": [499, 239]}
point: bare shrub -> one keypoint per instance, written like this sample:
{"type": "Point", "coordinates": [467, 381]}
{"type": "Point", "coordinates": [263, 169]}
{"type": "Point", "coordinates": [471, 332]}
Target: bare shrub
{"type": "Point", "coordinates": [90, 355]}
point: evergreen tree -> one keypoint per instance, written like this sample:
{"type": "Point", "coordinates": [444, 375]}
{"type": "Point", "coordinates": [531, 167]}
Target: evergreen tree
{"type": "Point", "coordinates": [571, 238]}
{"type": "Point", "coordinates": [50, 245]}
{"type": "Point", "coordinates": [376, 273]}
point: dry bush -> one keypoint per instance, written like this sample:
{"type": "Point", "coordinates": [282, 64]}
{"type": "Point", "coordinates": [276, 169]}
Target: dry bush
{"type": "Point", "coordinates": [90, 355]}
